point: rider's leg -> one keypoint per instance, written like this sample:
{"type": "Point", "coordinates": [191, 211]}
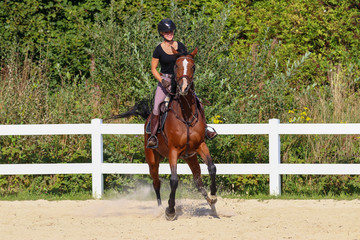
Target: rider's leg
{"type": "Point", "coordinates": [160, 95]}
{"type": "Point", "coordinates": [154, 124]}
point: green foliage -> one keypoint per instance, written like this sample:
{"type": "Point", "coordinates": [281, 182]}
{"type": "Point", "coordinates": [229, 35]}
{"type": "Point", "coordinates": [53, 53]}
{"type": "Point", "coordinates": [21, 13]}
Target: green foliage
{"type": "Point", "coordinates": [245, 185]}
{"type": "Point", "coordinates": [121, 56]}
{"type": "Point", "coordinates": [316, 26]}
{"type": "Point", "coordinates": [124, 149]}
{"type": "Point", "coordinates": [321, 185]}
{"type": "Point", "coordinates": [55, 185]}
{"type": "Point", "coordinates": [55, 30]}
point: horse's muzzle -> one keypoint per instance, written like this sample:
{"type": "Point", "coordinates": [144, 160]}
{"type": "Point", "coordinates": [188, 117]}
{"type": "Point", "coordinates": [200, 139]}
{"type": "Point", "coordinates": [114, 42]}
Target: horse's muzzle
{"type": "Point", "coordinates": [184, 86]}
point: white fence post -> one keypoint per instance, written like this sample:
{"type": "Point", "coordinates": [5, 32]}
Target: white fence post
{"type": "Point", "coordinates": [97, 158]}
{"type": "Point", "coordinates": [274, 157]}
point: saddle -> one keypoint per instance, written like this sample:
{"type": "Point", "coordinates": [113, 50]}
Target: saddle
{"type": "Point", "coordinates": [164, 112]}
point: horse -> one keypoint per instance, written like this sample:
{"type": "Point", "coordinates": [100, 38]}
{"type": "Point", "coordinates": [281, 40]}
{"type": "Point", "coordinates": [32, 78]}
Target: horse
{"type": "Point", "coordinates": [182, 137]}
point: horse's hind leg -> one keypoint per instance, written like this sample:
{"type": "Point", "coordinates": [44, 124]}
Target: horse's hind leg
{"type": "Point", "coordinates": [203, 151]}
{"type": "Point", "coordinates": [153, 159]}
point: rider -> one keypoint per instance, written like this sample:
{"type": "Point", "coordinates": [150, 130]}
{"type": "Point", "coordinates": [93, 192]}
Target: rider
{"type": "Point", "coordinates": [165, 56]}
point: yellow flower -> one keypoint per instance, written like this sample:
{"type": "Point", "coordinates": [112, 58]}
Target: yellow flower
{"type": "Point", "coordinates": [216, 119]}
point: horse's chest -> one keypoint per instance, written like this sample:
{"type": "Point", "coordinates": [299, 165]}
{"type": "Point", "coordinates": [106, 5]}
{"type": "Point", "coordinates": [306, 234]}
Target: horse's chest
{"type": "Point", "coordinates": [192, 138]}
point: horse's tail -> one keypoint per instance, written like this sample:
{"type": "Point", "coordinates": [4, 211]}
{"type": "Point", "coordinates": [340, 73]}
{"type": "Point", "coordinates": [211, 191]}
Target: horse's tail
{"type": "Point", "coordinates": [142, 109]}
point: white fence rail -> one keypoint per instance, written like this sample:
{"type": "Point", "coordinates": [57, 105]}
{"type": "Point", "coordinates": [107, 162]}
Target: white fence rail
{"type": "Point", "coordinates": [97, 167]}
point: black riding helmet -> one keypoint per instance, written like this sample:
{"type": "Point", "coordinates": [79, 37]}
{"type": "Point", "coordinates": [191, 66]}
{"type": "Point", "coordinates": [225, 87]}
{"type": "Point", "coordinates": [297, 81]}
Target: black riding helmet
{"type": "Point", "coordinates": [166, 25]}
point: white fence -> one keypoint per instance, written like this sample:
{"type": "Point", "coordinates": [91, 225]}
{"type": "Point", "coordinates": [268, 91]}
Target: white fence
{"type": "Point", "coordinates": [97, 167]}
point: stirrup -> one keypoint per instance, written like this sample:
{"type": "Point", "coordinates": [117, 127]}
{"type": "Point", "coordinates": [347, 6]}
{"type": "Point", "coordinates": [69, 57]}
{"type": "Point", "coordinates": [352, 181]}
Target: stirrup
{"type": "Point", "coordinates": [207, 130]}
{"type": "Point", "coordinates": [148, 141]}
{"type": "Point", "coordinates": [166, 101]}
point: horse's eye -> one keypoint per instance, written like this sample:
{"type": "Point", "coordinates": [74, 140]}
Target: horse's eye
{"type": "Point", "coordinates": [193, 68]}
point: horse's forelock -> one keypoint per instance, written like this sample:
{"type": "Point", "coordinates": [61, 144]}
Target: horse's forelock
{"type": "Point", "coordinates": [182, 53]}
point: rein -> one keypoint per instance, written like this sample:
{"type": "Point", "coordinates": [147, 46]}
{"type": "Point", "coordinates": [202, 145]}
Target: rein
{"type": "Point", "coordinates": [194, 116]}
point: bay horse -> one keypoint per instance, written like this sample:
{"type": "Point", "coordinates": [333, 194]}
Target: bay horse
{"type": "Point", "coordinates": [182, 137]}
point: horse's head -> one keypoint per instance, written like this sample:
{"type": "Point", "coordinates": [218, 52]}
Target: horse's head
{"type": "Point", "coordinates": [184, 71]}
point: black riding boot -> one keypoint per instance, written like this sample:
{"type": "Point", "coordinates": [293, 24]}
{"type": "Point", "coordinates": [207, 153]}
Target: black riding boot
{"type": "Point", "coordinates": [154, 124]}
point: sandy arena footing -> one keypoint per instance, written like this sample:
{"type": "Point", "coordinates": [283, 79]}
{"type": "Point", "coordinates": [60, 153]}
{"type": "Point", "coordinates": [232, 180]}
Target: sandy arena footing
{"type": "Point", "coordinates": [134, 219]}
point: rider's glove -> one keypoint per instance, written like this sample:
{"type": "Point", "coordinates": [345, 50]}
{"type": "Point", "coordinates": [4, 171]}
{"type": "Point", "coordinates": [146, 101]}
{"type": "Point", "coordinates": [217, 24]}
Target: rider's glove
{"type": "Point", "coordinates": [165, 83]}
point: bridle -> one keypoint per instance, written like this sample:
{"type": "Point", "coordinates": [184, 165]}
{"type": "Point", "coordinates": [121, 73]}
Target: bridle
{"type": "Point", "coordinates": [187, 77]}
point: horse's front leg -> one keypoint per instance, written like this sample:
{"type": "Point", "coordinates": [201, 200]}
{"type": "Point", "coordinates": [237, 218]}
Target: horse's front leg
{"type": "Point", "coordinates": [196, 171]}
{"type": "Point", "coordinates": [174, 180]}
{"type": "Point", "coordinates": [204, 153]}
{"type": "Point", "coordinates": [153, 159]}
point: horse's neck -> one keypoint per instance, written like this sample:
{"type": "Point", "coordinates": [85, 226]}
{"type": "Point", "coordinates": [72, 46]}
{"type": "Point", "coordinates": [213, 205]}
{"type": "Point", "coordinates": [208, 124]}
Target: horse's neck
{"type": "Point", "coordinates": [188, 106]}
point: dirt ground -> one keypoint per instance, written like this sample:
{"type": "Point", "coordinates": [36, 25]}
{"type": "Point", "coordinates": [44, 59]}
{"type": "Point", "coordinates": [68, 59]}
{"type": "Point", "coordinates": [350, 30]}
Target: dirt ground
{"type": "Point", "coordinates": [140, 219]}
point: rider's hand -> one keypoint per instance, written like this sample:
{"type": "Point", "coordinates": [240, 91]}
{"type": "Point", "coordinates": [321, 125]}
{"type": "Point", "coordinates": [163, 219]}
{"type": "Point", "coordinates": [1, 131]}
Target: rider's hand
{"type": "Point", "coordinates": [165, 83]}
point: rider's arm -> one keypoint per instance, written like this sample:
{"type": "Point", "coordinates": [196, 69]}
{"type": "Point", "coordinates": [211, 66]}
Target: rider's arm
{"type": "Point", "coordinates": [154, 71]}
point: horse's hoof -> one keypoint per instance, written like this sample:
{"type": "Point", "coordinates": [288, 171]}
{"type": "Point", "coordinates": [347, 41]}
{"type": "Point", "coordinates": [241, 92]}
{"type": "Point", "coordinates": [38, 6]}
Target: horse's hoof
{"type": "Point", "coordinates": [170, 216]}
{"type": "Point", "coordinates": [211, 199]}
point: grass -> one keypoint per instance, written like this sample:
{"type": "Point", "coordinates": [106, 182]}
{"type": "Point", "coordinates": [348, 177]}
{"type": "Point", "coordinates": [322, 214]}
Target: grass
{"type": "Point", "coordinates": [27, 196]}
{"type": "Point", "coordinates": [263, 197]}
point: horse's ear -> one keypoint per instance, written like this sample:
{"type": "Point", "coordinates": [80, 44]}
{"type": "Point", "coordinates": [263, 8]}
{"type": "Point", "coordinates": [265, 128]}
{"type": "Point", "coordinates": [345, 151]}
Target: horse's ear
{"type": "Point", "coordinates": [174, 51]}
{"type": "Point", "coordinates": [194, 52]}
